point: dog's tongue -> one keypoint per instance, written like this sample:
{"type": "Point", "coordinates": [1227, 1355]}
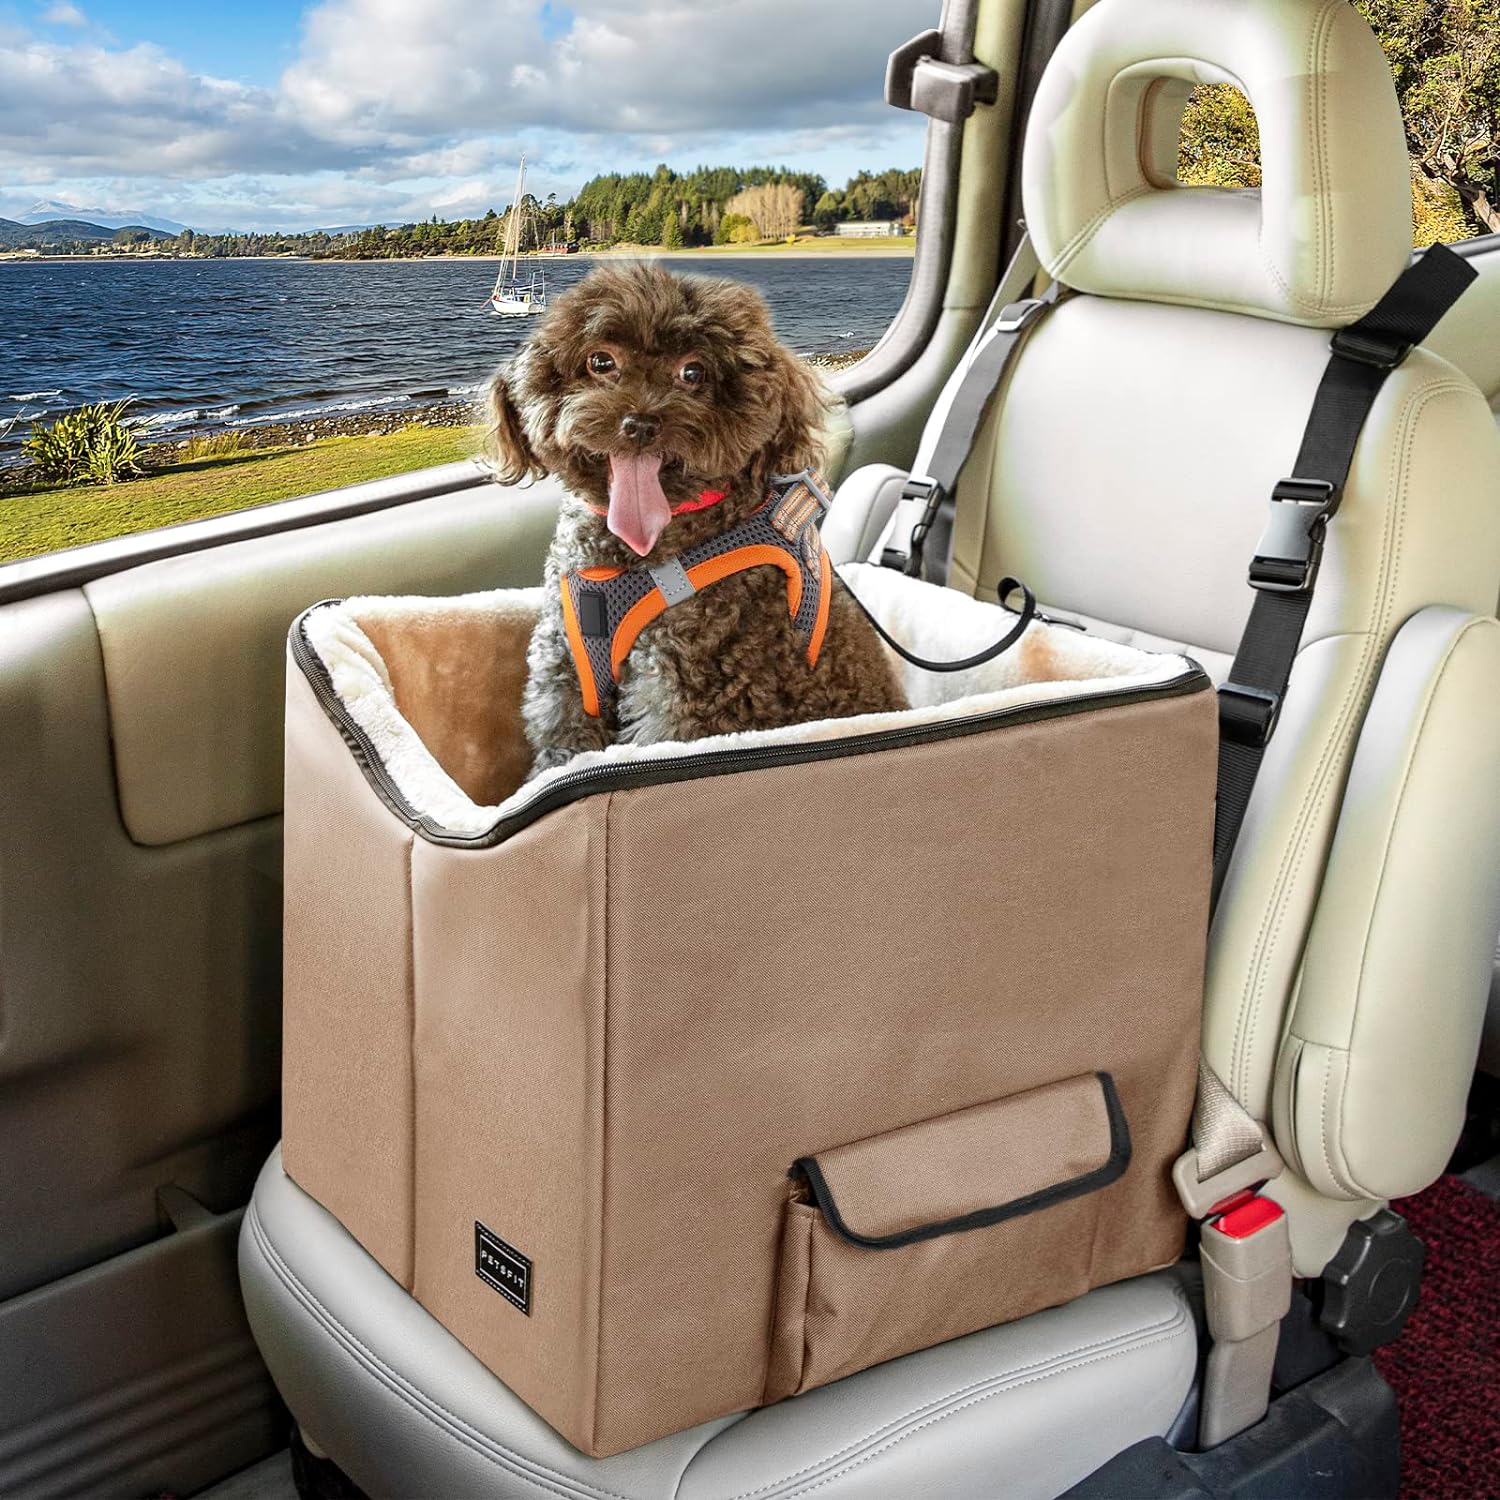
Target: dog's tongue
{"type": "Point", "coordinates": [638, 506]}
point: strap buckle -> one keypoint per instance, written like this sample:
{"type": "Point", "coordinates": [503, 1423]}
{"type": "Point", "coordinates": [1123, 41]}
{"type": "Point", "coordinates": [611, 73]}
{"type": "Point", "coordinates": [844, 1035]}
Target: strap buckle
{"type": "Point", "coordinates": [783, 484]}
{"type": "Point", "coordinates": [1291, 547]}
{"type": "Point", "coordinates": [1016, 316]}
{"type": "Point", "coordinates": [1363, 349]}
{"type": "Point", "coordinates": [915, 512]}
{"type": "Point", "coordinates": [1201, 1196]}
{"type": "Point", "coordinates": [1248, 715]}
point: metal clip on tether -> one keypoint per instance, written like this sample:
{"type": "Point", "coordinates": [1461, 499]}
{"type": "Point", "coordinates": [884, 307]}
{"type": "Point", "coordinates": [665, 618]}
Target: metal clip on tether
{"type": "Point", "coordinates": [921, 495]}
{"type": "Point", "coordinates": [912, 520]}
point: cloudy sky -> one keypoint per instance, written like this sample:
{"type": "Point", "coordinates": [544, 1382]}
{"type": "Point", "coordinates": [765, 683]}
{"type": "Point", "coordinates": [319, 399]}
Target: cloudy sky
{"type": "Point", "coordinates": [300, 113]}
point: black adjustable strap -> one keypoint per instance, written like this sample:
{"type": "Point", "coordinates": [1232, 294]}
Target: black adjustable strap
{"type": "Point", "coordinates": [1285, 567]}
{"type": "Point", "coordinates": [924, 494]}
{"type": "Point", "coordinates": [1006, 587]}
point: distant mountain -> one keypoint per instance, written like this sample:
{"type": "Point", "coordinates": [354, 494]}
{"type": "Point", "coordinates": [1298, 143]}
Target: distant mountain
{"type": "Point", "coordinates": [16, 236]}
{"type": "Point", "coordinates": [49, 210]}
{"type": "Point", "coordinates": [232, 233]}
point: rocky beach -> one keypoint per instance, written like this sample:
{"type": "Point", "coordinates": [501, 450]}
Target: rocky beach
{"type": "Point", "coordinates": [437, 408]}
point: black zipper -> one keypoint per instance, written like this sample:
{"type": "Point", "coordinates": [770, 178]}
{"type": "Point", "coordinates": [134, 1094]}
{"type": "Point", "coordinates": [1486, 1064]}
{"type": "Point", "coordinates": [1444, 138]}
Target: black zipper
{"type": "Point", "coordinates": [575, 784]}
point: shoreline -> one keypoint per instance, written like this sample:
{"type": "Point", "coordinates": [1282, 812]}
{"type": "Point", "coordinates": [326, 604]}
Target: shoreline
{"type": "Point", "coordinates": [875, 249]}
{"type": "Point", "coordinates": [161, 455]}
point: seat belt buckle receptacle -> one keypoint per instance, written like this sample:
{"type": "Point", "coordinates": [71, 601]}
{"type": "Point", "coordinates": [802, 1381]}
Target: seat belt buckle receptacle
{"type": "Point", "coordinates": [1290, 549]}
{"type": "Point", "coordinates": [912, 520]}
{"type": "Point", "coordinates": [1246, 1255]}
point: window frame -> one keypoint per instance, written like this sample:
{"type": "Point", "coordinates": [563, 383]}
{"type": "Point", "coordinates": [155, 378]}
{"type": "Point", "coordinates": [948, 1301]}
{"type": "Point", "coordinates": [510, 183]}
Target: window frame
{"type": "Point", "coordinates": [897, 350]}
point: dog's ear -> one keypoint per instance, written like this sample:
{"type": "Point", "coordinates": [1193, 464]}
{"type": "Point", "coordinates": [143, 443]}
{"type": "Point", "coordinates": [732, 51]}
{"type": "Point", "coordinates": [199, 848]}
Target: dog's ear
{"type": "Point", "coordinates": [804, 400]}
{"type": "Point", "coordinates": [514, 458]}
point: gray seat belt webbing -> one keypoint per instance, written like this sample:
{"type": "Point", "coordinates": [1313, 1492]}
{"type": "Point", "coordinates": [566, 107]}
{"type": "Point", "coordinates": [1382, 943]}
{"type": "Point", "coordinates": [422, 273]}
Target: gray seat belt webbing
{"type": "Point", "coordinates": [959, 413]}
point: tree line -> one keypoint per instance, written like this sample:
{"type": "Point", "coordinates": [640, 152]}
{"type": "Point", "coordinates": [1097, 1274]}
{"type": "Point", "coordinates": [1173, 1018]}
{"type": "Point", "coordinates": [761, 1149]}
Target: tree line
{"type": "Point", "coordinates": [708, 206]}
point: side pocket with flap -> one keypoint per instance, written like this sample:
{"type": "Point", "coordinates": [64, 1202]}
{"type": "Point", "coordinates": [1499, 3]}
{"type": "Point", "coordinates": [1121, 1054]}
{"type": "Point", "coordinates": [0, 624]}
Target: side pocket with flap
{"type": "Point", "coordinates": [907, 1239]}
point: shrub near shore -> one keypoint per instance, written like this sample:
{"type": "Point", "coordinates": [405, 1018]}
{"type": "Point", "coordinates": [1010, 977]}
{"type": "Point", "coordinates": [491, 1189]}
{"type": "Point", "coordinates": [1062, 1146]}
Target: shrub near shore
{"type": "Point", "coordinates": [93, 444]}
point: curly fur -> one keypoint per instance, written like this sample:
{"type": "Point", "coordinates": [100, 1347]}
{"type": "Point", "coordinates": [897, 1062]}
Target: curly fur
{"type": "Point", "coordinates": [729, 658]}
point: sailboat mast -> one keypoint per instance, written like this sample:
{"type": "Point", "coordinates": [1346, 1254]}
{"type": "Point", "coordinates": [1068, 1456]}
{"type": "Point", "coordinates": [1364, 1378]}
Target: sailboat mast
{"type": "Point", "coordinates": [513, 229]}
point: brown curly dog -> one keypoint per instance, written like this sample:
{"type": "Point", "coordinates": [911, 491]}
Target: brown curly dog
{"type": "Point", "coordinates": [665, 405]}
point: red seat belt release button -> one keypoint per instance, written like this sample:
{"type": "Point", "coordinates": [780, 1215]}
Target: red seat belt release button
{"type": "Point", "coordinates": [1244, 1217]}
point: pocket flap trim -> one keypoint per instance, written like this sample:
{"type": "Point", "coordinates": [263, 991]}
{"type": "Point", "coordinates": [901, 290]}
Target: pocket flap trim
{"type": "Point", "coordinates": [975, 1167]}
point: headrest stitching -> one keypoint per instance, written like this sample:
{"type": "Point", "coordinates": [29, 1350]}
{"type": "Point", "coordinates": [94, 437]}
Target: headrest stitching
{"type": "Point", "coordinates": [1320, 309]}
{"type": "Point", "coordinates": [1089, 230]}
{"type": "Point", "coordinates": [1317, 83]}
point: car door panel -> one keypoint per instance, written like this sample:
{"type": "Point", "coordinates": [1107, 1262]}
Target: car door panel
{"type": "Point", "coordinates": [140, 974]}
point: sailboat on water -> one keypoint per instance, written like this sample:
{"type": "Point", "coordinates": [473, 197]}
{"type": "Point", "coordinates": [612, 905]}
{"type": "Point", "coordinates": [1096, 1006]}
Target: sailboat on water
{"type": "Point", "coordinates": [512, 297]}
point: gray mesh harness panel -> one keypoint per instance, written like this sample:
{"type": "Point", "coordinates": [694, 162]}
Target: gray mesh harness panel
{"type": "Point", "coordinates": [788, 521]}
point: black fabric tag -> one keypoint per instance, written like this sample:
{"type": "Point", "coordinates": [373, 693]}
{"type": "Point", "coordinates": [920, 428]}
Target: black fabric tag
{"type": "Point", "coordinates": [593, 617]}
{"type": "Point", "coordinates": [503, 1267]}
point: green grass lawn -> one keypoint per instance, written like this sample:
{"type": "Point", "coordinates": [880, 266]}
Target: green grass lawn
{"type": "Point", "coordinates": [45, 520]}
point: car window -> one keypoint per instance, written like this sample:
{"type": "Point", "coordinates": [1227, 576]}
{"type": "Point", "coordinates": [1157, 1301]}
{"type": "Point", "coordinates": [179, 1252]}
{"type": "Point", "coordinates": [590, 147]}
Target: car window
{"type": "Point", "coordinates": [242, 280]}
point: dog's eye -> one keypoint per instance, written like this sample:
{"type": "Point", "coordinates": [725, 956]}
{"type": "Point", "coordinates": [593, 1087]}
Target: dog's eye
{"type": "Point", "coordinates": [692, 373]}
{"type": "Point", "coordinates": [601, 363]}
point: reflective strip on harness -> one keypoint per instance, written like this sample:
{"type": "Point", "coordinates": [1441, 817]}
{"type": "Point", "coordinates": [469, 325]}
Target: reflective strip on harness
{"type": "Point", "coordinates": [671, 578]}
{"type": "Point", "coordinates": [606, 609]}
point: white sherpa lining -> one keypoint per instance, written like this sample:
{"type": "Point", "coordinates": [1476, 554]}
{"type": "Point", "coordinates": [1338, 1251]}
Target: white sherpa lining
{"type": "Point", "coordinates": [929, 620]}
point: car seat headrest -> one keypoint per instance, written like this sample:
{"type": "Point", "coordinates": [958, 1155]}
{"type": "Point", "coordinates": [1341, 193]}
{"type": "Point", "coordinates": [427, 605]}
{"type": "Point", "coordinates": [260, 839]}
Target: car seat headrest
{"type": "Point", "coordinates": [1324, 236]}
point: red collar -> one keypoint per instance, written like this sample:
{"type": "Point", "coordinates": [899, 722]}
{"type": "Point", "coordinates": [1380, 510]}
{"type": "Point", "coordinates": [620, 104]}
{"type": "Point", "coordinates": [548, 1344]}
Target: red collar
{"type": "Point", "coordinates": [705, 499]}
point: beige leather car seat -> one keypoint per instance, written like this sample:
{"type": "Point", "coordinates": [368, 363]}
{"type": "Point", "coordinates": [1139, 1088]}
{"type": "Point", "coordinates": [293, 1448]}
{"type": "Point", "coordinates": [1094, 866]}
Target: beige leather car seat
{"type": "Point", "coordinates": [1125, 473]}
{"type": "Point", "coordinates": [1470, 338]}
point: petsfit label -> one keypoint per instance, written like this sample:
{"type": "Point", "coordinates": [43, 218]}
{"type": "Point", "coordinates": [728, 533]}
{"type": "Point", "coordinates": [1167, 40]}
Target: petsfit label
{"type": "Point", "coordinates": [503, 1267]}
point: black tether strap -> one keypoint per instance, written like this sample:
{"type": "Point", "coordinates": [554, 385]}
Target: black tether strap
{"type": "Point", "coordinates": [1285, 566]}
{"type": "Point", "coordinates": [923, 494]}
{"type": "Point", "coordinates": [1007, 587]}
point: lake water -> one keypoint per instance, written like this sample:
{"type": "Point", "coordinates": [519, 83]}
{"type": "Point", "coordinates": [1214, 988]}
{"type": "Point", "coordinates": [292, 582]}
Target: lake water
{"type": "Point", "coordinates": [204, 345]}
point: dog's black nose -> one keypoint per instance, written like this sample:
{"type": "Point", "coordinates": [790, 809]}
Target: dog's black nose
{"type": "Point", "coordinates": [639, 428]}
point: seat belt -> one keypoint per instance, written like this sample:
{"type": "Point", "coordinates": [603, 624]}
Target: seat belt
{"type": "Point", "coordinates": [1245, 1249]}
{"type": "Point", "coordinates": [926, 503]}
{"type": "Point", "coordinates": [1285, 567]}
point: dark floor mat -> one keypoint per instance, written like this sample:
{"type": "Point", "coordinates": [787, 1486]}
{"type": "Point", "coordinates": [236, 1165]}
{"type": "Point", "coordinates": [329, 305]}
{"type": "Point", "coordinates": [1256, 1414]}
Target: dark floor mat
{"type": "Point", "coordinates": [1446, 1365]}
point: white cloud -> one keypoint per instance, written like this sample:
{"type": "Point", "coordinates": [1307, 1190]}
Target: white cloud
{"type": "Point", "coordinates": [662, 65]}
{"type": "Point", "coordinates": [86, 108]}
{"type": "Point", "coordinates": [63, 13]}
{"type": "Point", "coordinates": [392, 108]}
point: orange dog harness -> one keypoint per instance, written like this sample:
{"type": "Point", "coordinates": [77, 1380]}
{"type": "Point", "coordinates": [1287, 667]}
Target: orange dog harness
{"type": "Point", "coordinates": [605, 609]}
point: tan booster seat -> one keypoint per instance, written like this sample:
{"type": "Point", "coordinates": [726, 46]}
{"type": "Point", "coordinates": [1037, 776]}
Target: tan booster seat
{"type": "Point", "coordinates": [647, 1079]}
{"type": "Point", "coordinates": [659, 1138]}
